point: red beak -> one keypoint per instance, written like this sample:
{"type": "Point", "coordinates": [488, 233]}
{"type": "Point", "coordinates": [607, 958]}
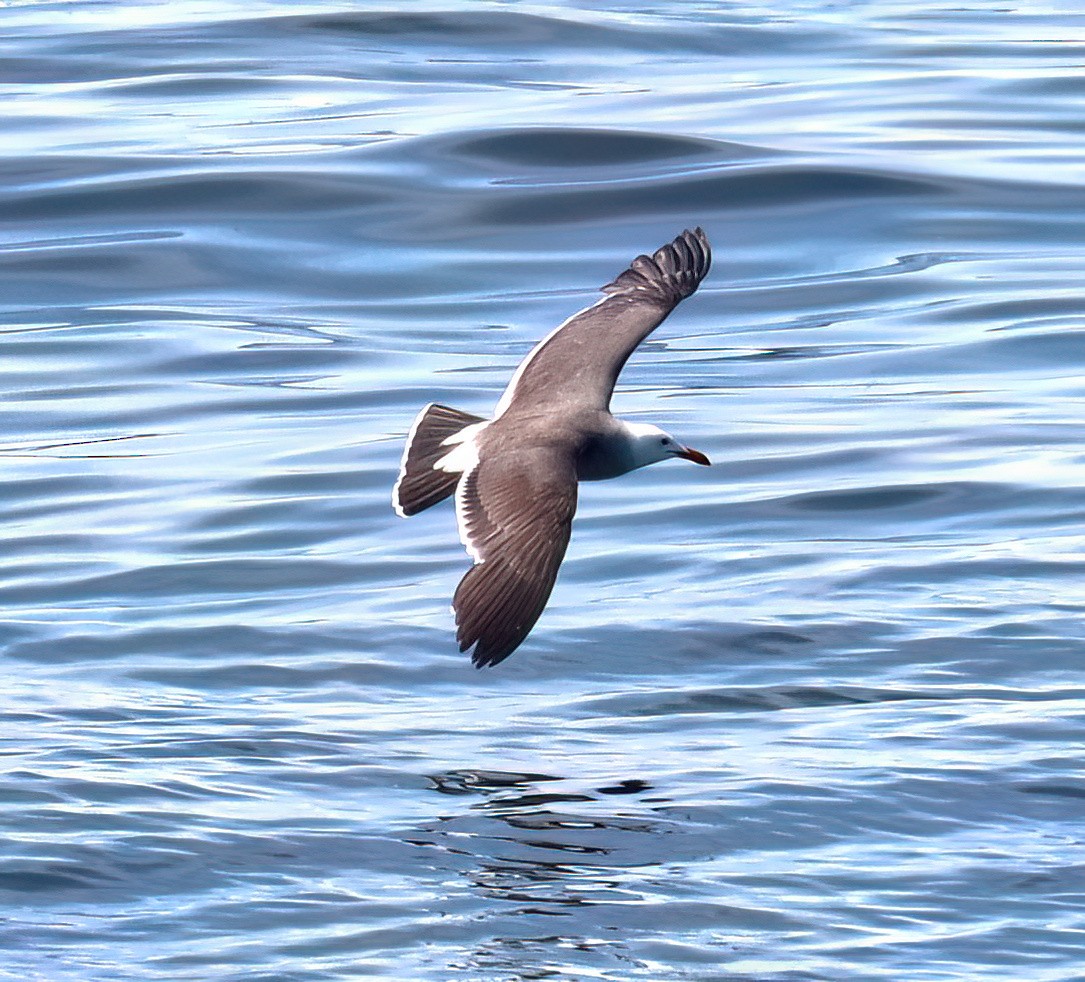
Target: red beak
{"type": "Point", "coordinates": [688, 453]}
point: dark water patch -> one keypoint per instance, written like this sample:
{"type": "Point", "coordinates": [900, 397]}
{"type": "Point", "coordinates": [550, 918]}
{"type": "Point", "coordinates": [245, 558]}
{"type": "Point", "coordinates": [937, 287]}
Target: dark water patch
{"type": "Point", "coordinates": [768, 187]}
{"type": "Point", "coordinates": [672, 702]}
{"type": "Point", "coordinates": [211, 196]}
{"type": "Point", "coordinates": [482, 31]}
{"type": "Point", "coordinates": [868, 498]}
{"type": "Point", "coordinates": [203, 82]}
{"type": "Point", "coordinates": [574, 147]}
{"type": "Point", "coordinates": [179, 864]}
{"type": "Point", "coordinates": [706, 644]}
{"type": "Point", "coordinates": [428, 45]}
{"type": "Point", "coordinates": [252, 648]}
{"type": "Point", "coordinates": [436, 663]}
{"type": "Point", "coordinates": [49, 880]}
{"type": "Point", "coordinates": [943, 505]}
{"type": "Point", "coordinates": [1058, 790]}
{"type": "Point", "coordinates": [475, 29]}
{"type": "Point", "coordinates": [183, 579]}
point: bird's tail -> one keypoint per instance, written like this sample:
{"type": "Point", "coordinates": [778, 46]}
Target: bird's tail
{"type": "Point", "coordinates": [419, 485]}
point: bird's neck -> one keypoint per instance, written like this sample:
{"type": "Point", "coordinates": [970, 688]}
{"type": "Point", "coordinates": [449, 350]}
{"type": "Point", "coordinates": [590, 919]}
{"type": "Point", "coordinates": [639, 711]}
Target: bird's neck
{"type": "Point", "coordinates": [610, 453]}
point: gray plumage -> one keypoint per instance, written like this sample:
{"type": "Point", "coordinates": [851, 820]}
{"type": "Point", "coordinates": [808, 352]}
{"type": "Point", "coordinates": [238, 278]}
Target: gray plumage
{"type": "Point", "coordinates": [515, 477]}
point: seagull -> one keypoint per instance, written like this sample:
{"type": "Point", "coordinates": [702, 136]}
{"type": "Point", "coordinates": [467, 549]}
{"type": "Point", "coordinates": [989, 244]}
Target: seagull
{"type": "Point", "coordinates": [515, 476]}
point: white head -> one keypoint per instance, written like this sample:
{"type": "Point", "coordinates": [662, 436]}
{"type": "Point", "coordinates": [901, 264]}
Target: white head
{"type": "Point", "coordinates": [649, 444]}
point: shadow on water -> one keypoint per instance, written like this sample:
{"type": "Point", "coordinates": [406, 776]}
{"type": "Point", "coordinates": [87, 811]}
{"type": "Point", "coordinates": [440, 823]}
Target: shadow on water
{"type": "Point", "coordinates": [581, 868]}
{"type": "Point", "coordinates": [543, 849]}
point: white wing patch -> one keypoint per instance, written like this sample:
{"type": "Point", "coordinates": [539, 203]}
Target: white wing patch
{"type": "Point", "coordinates": [463, 456]}
{"type": "Point", "coordinates": [461, 515]}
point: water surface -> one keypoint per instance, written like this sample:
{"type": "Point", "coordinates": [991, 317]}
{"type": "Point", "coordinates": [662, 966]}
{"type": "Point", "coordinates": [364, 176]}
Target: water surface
{"type": "Point", "coordinates": [812, 714]}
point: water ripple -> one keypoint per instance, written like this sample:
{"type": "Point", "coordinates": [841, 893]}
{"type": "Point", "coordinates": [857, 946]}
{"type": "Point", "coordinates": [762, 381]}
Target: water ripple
{"type": "Point", "coordinates": [809, 714]}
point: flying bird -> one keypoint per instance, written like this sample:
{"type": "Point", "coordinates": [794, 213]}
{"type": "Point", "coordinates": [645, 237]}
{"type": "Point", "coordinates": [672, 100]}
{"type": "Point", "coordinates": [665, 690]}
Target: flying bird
{"type": "Point", "coordinates": [515, 476]}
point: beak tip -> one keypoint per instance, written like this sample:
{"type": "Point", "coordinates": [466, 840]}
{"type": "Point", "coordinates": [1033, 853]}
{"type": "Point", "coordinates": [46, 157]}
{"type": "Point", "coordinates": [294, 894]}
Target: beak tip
{"type": "Point", "coordinates": [696, 456]}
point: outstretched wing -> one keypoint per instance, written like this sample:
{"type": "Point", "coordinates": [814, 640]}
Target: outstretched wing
{"type": "Point", "coordinates": [577, 365]}
{"type": "Point", "coordinates": [515, 512]}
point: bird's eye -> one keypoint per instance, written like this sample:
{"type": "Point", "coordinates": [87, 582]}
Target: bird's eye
{"type": "Point", "coordinates": [664, 442]}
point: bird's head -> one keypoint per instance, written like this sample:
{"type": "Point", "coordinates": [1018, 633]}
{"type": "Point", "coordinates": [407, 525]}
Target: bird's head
{"type": "Point", "coordinates": [649, 445]}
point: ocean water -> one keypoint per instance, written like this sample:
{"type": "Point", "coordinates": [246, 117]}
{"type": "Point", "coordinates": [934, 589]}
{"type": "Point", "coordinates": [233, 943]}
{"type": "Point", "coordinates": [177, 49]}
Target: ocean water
{"type": "Point", "coordinates": [815, 713]}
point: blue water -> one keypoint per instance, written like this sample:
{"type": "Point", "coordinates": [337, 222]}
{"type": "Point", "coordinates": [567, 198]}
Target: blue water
{"type": "Point", "coordinates": [814, 713]}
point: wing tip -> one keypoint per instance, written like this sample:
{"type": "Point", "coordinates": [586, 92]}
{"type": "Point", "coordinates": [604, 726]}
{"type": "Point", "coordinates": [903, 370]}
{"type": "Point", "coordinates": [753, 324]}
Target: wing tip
{"type": "Point", "coordinates": [672, 273]}
{"type": "Point", "coordinates": [495, 608]}
{"type": "Point", "coordinates": [484, 655]}
{"type": "Point", "coordinates": [483, 659]}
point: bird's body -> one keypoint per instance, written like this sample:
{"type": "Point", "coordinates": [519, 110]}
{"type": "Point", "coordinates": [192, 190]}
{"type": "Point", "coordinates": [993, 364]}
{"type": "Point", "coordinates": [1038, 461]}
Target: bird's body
{"type": "Point", "coordinates": [515, 476]}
